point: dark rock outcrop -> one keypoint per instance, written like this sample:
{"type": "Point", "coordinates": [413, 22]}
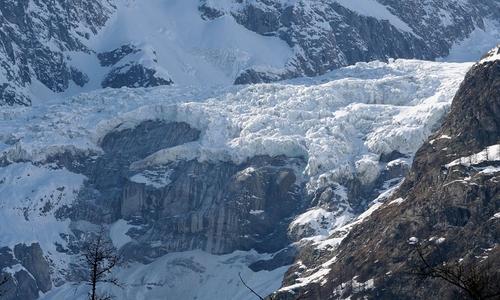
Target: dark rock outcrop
{"type": "Point", "coordinates": [108, 173]}
{"type": "Point", "coordinates": [133, 76]}
{"type": "Point", "coordinates": [128, 72]}
{"type": "Point", "coordinates": [217, 208]}
{"type": "Point", "coordinates": [184, 204]}
{"type": "Point", "coordinates": [449, 203]}
{"type": "Point", "coordinates": [110, 58]}
{"type": "Point", "coordinates": [26, 270]}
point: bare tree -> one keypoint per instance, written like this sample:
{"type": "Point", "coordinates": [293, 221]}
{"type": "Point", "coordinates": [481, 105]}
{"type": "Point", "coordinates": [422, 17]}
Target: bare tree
{"type": "Point", "coordinates": [99, 258]}
{"type": "Point", "coordinates": [472, 280]}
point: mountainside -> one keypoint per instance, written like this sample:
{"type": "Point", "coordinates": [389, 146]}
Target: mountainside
{"type": "Point", "coordinates": [448, 207]}
{"type": "Point", "coordinates": [57, 49]}
{"type": "Point", "coordinates": [269, 167]}
{"type": "Point", "coordinates": [261, 139]}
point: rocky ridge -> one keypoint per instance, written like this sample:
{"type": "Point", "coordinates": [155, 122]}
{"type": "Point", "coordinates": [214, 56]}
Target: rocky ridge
{"type": "Point", "coordinates": [448, 205]}
{"type": "Point", "coordinates": [40, 37]}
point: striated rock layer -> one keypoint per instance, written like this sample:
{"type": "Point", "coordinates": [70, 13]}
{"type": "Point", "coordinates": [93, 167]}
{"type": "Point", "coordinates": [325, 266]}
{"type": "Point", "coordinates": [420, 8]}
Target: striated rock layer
{"type": "Point", "coordinates": [26, 271]}
{"type": "Point", "coordinates": [184, 205]}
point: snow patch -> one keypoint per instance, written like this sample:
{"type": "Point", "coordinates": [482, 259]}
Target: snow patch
{"type": "Point", "coordinates": [117, 233]}
{"type": "Point", "coordinates": [437, 240]}
{"type": "Point", "coordinates": [157, 178]}
{"type": "Point", "coordinates": [491, 153]}
{"type": "Point", "coordinates": [413, 240]}
{"type": "Point", "coordinates": [492, 55]}
{"type": "Point", "coordinates": [397, 201]}
{"type": "Point", "coordinates": [322, 222]}
{"type": "Point", "coordinates": [376, 10]}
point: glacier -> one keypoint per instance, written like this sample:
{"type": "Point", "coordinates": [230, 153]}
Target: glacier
{"type": "Point", "coordinates": [339, 124]}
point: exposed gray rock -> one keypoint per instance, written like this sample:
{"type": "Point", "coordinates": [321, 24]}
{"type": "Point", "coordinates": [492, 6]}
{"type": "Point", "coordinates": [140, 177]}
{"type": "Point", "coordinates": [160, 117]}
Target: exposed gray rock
{"type": "Point", "coordinates": [110, 58]}
{"type": "Point", "coordinates": [326, 36]}
{"type": "Point", "coordinates": [27, 272]}
{"type": "Point", "coordinates": [9, 95]}
{"type": "Point", "coordinates": [322, 36]}
{"type": "Point", "coordinates": [184, 205]}
{"type": "Point", "coordinates": [31, 257]}
{"type": "Point", "coordinates": [78, 77]}
{"type": "Point", "coordinates": [217, 208]}
{"type": "Point", "coordinates": [284, 257]}
{"type": "Point", "coordinates": [209, 13]}
{"type": "Point", "coordinates": [254, 76]}
{"type": "Point", "coordinates": [109, 172]}
{"type": "Point", "coordinates": [25, 31]}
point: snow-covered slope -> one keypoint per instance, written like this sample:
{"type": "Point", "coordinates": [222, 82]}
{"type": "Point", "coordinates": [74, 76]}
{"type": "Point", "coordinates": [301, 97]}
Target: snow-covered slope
{"type": "Point", "coordinates": [55, 50]}
{"type": "Point", "coordinates": [186, 275]}
{"type": "Point", "coordinates": [338, 124]}
{"type": "Point", "coordinates": [333, 143]}
{"type": "Point", "coordinates": [194, 51]}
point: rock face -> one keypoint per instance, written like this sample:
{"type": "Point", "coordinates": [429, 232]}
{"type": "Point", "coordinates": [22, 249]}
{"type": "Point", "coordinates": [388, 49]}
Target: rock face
{"type": "Point", "coordinates": [37, 35]}
{"type": "Point", "coordinates": [108, 173]}
{"type": "Point", "coordinates": [347, 38]}
{"type": "Point", "coordinates": [217, 208]}
{"type": "Point", "coordinates": [181, 205]}
{"type": "Point", "coordinates": [184, 205]}
{"type": "Point", "coordinates": [449, 203]}
{"type": "Point", "coordinates": [26, 270]}
{"type": "Point", "coordinates": [27, 54]}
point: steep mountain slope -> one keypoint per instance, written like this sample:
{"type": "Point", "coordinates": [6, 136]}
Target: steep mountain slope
{"type": "Point", "coordinates": [448, 205]}
{"type": "Point", "coordinates": [328, 35]}
{"type": "Point", "coordinates": [35, 36]}
{"type": "Point", "coordinates": [57, 49]}
{"type": "Point", "coordinates": [269, 167]}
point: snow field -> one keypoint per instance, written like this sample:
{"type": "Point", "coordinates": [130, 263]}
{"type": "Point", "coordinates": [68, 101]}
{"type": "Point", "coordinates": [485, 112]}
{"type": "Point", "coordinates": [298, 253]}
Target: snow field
{"type": "Point", "coordinates": [193, 50]}
{"type": "Point", "coordinates": [490, 153]}
{"type": "Point", "coordinates": [338, 123]}
{"type": "Point", "coordinates": [187, 275]}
